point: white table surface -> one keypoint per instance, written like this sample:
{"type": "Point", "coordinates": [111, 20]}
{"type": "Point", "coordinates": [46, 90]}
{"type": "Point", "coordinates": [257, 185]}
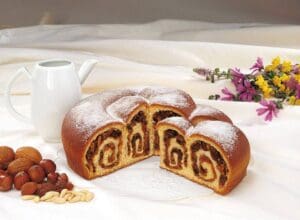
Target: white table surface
{"type": "Point", "coordinates": [144, 191]}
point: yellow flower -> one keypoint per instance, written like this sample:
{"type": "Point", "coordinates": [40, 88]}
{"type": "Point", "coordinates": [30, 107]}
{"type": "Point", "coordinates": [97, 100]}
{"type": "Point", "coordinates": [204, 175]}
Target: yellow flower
{"type": "Point", "coordinates": [284, 77]}
{"type": "Point", "coordinates": [275, 63]}
{"type": "Point", "coordinates": [282, 88]}
{"type": "Point", "coordinates": [267, 91]}
{"type": "Point", "coordinates": [286, 66]}
{"type": "Point", "coordinates": [297, 77]}
{"type": "Point", "coordinates": [260, 80]}
{"type": "Point", "coordinates": [263, 85]}
{"type": "Point", "coordinates": [277, 81]}
{"type": "Point", "coordinates": [294, 101]}
{"type": "Point", "coordinates": [269, 68]}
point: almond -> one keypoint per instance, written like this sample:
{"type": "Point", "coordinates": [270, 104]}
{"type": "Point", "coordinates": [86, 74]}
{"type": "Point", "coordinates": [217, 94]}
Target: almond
{"type": "Point", "coordinates": [30, 153]}
{"type": "Point", "coordinates": [20, 164]}
{"type": "Point", "coordinates": [7, 155]}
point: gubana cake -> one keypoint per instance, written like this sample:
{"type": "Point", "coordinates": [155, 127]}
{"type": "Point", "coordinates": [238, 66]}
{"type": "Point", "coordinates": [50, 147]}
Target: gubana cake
{"type": "Point", "coordinates": [113, 129]}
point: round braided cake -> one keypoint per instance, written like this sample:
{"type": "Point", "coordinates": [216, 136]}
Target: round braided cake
{"type": "Point", "coordinates": [116, 128]}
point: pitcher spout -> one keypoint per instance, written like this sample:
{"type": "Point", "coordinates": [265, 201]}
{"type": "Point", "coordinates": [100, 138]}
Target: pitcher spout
{"type": "Point", "coordinates": [85, 69]}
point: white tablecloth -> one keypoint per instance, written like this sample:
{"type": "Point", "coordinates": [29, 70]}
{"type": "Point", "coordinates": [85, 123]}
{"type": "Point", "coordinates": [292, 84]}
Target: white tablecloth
{"type": "Point", "coordinates": [159, 53]}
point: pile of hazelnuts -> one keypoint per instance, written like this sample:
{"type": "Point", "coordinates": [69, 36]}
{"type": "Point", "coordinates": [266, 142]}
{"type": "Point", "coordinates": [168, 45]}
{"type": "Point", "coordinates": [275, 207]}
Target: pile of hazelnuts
{"type": "Point", "coordinates": [25, 170]}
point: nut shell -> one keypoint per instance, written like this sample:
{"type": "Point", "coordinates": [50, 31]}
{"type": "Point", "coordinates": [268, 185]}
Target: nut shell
{"type": "Point", "coordinates": [48, 165]}
{"type": "Point", "coordinates": [29, 188]}
{"type": "Point", "coordinates": [43, 188]}
{"type": "Point", "coordinates": [7, 155]}
{"type": "Point", "coordinates": [69, 186]}
{"type": "Point", "coordinates": [20, 179]}
{"type": "Point", "coordinates": [36, 173]}
{"type": "Point", "coordinates": [52, 177]}
{"type": "Point", "coordinates": [30, 153]}
{"type": "Point", "coordinates": [3, 172]}
{"type": "Point", "coordinates": [17, 165]}
{"type": "Point", "coordinates": [6, 182]}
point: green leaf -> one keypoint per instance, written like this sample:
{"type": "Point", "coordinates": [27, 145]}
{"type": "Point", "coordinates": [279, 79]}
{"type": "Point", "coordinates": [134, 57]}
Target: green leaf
{"type": "Point", "coordinates": [257, 98]}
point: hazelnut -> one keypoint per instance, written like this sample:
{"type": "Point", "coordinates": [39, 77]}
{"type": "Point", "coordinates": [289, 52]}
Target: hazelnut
{"type": "Point", "coordinates": [52, 177]}
{"type": "Point", "coordinates": [60, 184]}
{"type": "Point", "coordinates": [36, 173]}
{"type": "Point", "coordinates": [29, 188]}
{"type": "Point", "coordinates": [69, 186]}
{"type": "Point", "coordinates": [48, 165]}
{"type": "Point", "coordinates": [6, 182]}
{"type": "Point", "coordinates": [20, 179]}
{"type": "Point", "coordinates": [43, 188]}
{"type": "Point", "coordinates": [63, 177]}
{"type": "Point", "coordinates": [7, 155]}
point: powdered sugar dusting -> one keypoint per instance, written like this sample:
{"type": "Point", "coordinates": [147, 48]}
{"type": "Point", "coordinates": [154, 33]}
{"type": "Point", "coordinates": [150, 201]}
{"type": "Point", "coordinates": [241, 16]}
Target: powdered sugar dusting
{"type": "Point", "coordinates": [114, 105]}
{"type": "Point", "coordinates": [204, 110]}
{"type": "Point", "coordinates": [178, 121]}
{"type": "Point", "coordinates": [124, 106]}
{"type": "Point", "coordinates": [165, 96]}
{"type": "Point", "coordinates": [223, 133]}
{"type": "Point", "coordinates": [87, 119]}
{"type": "Point", "coordinates": [173, 99]}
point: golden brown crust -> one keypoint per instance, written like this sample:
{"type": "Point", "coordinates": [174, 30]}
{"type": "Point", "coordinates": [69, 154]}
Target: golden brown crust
{"type": "Point", "coordinates": [218, 117]}
{"type": "Point", "coordinates": [111, 109]}
{"type": "Point", "coordinates": [205, 112]}
{"type": "Point", "coordinates": [237, 161]}
{"type": "Point", "coordinates": [75, 147]}
{"type": "Point", "coordinates": [237, 158]}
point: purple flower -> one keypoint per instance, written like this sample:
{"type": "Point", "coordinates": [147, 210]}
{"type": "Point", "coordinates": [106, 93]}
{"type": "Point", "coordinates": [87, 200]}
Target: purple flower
{"type": "Point", "coordinates": [295, 69]}
{"type": "Point", "coordinates": [292, 83]}
{"type": "Point", "coordinates": [246, 91]}
{"type": "Point", "coordinates": [237, 76]}
{"type": "Point", "coordinates": [298, 91]}
{"type": "Point", "coordinates": [229, 95]}
{"type": "Point", "coordinates": [269, 108]}
{"type": "Point", "coordinates": [258, 66]}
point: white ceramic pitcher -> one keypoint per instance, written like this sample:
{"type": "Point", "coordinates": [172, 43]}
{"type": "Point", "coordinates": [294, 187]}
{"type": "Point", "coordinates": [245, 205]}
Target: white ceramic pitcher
{"type": "Point", "coordinates": [56, 87]}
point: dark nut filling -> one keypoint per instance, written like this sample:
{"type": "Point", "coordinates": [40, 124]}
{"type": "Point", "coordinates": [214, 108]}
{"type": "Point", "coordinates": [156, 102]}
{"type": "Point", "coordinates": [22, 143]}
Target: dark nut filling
{"type": "Point", "coordinates": [132, 146]}
{"type": "Point", "coordinates": [143, 147]}
{"type": "Point", "coordinates": [170, 160]}
{"type": "Point", "coordinates": [113, 158]}
{"type": "Point", "coordinates": [91, 152]}
{"type": "Point", "coordinates": [158, 116]}
{"type": "Point", "coordinates": [199, 170]}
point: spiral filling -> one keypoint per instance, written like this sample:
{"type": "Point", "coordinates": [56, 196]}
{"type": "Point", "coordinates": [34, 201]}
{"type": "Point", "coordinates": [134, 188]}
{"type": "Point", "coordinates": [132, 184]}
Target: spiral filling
{"type": "Point", "coordinates": [175, 150]}
{"type": "Point", "coordinates": [159, 116]}
{"type": "Point", "coordinates": [105, 150]}
{"type": "Point", "coordinates": [202, 155]}
{"type": "Point", "coordinates": [138, 136]}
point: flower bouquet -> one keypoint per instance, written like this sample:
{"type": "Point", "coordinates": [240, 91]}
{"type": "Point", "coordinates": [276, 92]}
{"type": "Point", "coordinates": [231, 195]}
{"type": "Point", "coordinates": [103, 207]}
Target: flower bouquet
{"type": "Point", "coordinates": [271, 85]}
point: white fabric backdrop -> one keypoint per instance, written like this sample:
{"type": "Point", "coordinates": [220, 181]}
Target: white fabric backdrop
{"type": "Point", "coordinates": [163, 53]}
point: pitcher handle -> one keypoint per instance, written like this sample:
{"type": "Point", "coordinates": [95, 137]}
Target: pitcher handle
{"type": "Point", "coordinates": [7, 95]}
